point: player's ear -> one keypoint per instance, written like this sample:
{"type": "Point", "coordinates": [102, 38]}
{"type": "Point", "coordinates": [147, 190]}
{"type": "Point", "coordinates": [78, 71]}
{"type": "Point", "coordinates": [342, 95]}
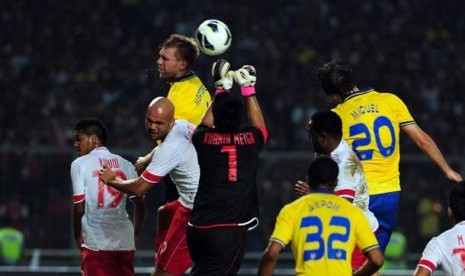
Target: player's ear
{"type": "Point", "coordinates": [184, 64]}
{"type": "Point", "coordinates": [333, 184]}
{"type": "Point", "coordinates": [336, 97]}
{"type": "Point", "coordinates": [94, 139]}
{"type": "Point", "coordinates": [322, 138]}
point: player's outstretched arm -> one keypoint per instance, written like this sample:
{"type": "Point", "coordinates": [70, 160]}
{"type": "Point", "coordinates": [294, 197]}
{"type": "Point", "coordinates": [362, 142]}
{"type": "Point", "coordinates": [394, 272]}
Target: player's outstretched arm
{"type": "Point", "coordinates": [428, 146]}
{"type": "Point", "coordinates": [207, 119]}
{"type": "Point", "coordinates": [269, 259]}
{"type": "Point", "coordinates": [374, 262]}
{"type": "Point", "coordinates": [223, 80]}
{"type": "Point", "coordinates": [246, 78]}
{"type": "Point", "coordinates": [138, 186]}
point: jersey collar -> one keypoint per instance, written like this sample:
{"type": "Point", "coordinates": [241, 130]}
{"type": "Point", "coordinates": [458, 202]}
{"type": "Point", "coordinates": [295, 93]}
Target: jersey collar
{"type": "Point", "coordinates": [322, 191]}
{"type": "Point", "coordinates": [357, 93]}
{"type": "Point", "coordinates": [101, 148]}
{"type": "Point", "coordinates": [340, 148]}
{"type": "Point", "coordinates": [184, 77]}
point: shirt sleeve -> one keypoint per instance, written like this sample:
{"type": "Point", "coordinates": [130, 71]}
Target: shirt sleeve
{"type": "Point", "coordinates": [131, 171]}
{"type": "Point", "coordinates": [77, 178]}
{"type": "Point", "coordinates": [366, 239]}
{"type": "Point", "coordinates": [164, 160]}
{"type": "Point", "coordinates": [430, 258]}
{"type": "Point", "coordinates": [283, 228]}
{"type": "Point", "coordinates": [347, 181]}
{"type": "Point", "coordinates": [264, 132]}
{"type": "Point", "coordinates": [400, 110]}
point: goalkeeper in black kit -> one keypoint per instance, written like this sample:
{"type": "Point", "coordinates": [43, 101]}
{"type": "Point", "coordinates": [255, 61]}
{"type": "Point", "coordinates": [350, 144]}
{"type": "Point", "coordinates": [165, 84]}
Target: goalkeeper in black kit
{"type": "Point", "coordinates": [226, 205]}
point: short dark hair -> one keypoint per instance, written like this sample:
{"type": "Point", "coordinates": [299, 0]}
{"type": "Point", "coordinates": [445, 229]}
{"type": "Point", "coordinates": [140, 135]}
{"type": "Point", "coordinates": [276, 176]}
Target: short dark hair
{"type": "Point", "coordinates": [322, 171]}
{"type": "Point", "coordinates": [90, 126]}
{"type": "Point", "coordinates": [227, 109]}
{"type": "Point", "coordinates": [187, 48]}
{"type": "Point", "coordinates": [335, 77]}
{"type": "Point", "coordinates": [457, 201]}
{"type": "Point", "coordinates": [328, 122]}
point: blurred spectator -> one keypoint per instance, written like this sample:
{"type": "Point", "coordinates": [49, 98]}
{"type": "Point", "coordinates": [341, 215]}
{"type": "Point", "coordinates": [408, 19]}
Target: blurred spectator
{"type": "Point", "coordinates": [11, 242]}
{"type": "Point", "coordinates": [394, 256]}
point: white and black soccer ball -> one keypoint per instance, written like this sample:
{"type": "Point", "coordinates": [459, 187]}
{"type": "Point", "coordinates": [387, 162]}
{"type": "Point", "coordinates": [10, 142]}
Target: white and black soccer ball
{"type": "Point", "coordinates": [213, 37]}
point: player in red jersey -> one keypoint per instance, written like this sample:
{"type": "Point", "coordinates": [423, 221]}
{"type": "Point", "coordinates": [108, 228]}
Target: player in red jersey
{"type": "Point", "coordinates": [226, 207]}
{"type": "Point", "coordinates": [102, 230]}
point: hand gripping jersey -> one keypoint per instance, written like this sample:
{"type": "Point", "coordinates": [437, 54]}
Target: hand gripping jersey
{"type": "Point", "coordinates": [177, 157]}
{"type": "Point", "coordinates": [190, 98]}
{"type": "Point", "coordinates": [323, 230]}
{"type": "Point", "coordinates": [351, 180]}
{"type": "Point", "coordinates": [105, 224]}
{"type": "Point", "coordinates": [447, 250]}
{"type": "Point", "coordinates": [227, 191]}
{"type": "Point", "coordinates": [370, 124]}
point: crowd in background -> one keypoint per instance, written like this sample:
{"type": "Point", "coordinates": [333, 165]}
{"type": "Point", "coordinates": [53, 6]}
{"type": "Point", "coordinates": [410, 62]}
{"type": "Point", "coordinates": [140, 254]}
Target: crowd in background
{"type": "Point", "coordinates": [63, 60]}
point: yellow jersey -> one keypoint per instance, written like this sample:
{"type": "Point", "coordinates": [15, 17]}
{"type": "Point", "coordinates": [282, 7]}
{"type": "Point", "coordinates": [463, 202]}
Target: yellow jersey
{"type": "Point", "coordinates": [371, 124]}
{"type": "Point", "coordinates": [323, 230]}
{"type": "Point", "coordinates": [190, 98]}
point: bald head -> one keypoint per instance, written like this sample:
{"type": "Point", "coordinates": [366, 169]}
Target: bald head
{"type": "Point", "coordinates": [159, 118]}
{"type": "Point", "coordinates": [161, 105]}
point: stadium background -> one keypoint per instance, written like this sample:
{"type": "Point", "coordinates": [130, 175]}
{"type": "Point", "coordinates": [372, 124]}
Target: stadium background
{"type": "Point", "coordinates": [62, 60]}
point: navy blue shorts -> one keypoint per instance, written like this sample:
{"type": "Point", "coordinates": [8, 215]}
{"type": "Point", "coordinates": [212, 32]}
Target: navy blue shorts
{"type": "Point", "coordinates": [385, 207]}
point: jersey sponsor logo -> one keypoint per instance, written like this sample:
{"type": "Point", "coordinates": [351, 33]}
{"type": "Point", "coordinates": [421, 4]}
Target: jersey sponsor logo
{"type": "Point", "coordinates": [200, 92]}
{"type": "Point", "coordinates": [190, 132]}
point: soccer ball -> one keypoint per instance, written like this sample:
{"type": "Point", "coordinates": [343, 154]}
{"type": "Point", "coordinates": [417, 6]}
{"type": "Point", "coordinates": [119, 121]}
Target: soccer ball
{"type": "Point", "coordinates": [213, 37]}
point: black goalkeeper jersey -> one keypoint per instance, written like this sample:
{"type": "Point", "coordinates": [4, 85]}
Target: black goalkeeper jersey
{"type": "Point", "coordinates": [227, 192]}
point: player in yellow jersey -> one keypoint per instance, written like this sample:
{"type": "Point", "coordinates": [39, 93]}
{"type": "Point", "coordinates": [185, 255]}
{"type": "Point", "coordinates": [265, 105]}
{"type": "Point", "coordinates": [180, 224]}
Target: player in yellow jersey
{"type": "Point", "coordinates": [371, 125]}
{"type": "Point", "coordinates": [191, 100]}
{"type": "Point", "coordinates": [323, 230]}
{"type": "Point", "coordinates": [187, 92]}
